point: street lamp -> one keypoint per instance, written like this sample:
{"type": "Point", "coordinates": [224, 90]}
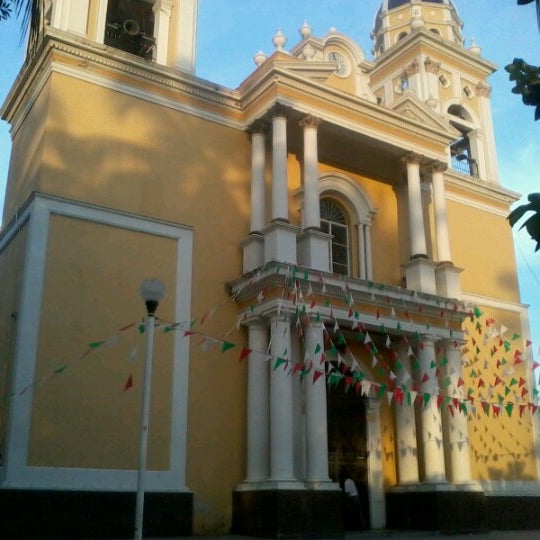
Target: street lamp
{"type": "Point", "coordinates": [152, 291]}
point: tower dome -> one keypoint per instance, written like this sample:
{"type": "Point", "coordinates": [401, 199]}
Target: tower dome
{"type": "Point", "coordinates": [397, 18]}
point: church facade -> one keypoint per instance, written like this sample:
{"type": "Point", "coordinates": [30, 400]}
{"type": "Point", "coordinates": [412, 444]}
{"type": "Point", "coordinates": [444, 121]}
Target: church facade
{"type": "Point", "coordinates": [335, 305]}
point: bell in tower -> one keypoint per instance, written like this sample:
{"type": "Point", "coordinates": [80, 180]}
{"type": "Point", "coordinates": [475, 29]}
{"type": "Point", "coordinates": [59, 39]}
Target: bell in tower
{"type": "Point", "coordinates": [130, 27]}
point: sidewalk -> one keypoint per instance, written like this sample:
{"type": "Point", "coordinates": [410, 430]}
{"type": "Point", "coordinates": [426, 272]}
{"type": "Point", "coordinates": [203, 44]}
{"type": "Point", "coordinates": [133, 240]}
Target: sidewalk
{"type": "Point", "coordinates": [384, 534]}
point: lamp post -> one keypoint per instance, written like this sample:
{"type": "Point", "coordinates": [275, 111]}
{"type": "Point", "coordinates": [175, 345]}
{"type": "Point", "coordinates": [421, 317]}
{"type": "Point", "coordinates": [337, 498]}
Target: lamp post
{"type": "Point", "coordinates": [152, 291]}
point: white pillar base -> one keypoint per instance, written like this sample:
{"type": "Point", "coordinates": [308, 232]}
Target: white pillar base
{"type": "Point", "coordinates": [314, 249]}
{"type": "Point", "coordinates": [447, 279]}
{"type": "Point", "coordinates": [253, 250]}
{"type": "Point", "coordinates": [323, 485]}
{"type": "Point", "coordinates": [280, 242]}
{"type": "Point", "coordinates": [283, 485]}
{"type": "Point", "coordinates": [420, 275]}
{"type": "Point", "coordinates": [424, 487]}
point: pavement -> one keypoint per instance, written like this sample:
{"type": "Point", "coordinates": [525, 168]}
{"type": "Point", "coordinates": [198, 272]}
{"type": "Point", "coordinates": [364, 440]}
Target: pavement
{"type": "Point", "coordinates": [397, 535]}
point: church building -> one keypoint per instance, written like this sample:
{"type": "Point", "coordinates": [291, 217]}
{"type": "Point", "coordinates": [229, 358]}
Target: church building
{"type": "Point", "coordinates": [336, 304]}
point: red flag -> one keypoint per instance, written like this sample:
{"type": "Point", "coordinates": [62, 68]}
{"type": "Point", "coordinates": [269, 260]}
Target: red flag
{"type": "Point", "coordinates": [398, 395]}
{"type": "Point", "coordinates": [317, 374]}
{"type": "Point", "coordinates": [126, 327]}
{"type": "Point", "coordinates": [297, 367]}
{"type": "Point", "coordinates": [129, 383]}
{"type": "Point", "coordinates": [244, 353]}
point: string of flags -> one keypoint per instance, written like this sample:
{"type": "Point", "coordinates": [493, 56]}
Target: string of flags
{"type": "Point", "coordinates": [505, 392]}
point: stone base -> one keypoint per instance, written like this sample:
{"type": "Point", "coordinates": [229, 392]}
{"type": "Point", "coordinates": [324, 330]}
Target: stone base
{"type": "Point", "coordinates": [513, 512]}
{"type": "Point", "coordinates": [253, 252]}
{"type": "Point", "coordinates": [420, 275]}
{"type": "Point", "coordinates": [313, 250]}
{"type": "Point", "coordinates": [436, 510]}
{"type": "Point", "coordinates": [280, 242]}
{"type": "Point", "coordinates": [288, 513]}
{"type": "Point", "coordinates": [447, 278]}
{"type": "Point", "coordinates": [63, 515]}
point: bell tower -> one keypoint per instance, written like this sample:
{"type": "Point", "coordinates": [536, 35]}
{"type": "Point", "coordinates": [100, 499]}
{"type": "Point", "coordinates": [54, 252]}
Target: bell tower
{"type": "Point", "coordinates": [397, 18]}
{"type": "Point", "coordinates": [420, 54]}
{"type": "Point", "coordinates": [162, 31]}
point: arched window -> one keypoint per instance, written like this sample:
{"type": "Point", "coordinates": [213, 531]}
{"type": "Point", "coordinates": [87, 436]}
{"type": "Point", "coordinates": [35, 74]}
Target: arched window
{"type": "Point", "coordinates": [461, 153]}
{"type": "Point", "coordinates": [347, 210]}
{"type": "Point", "coordinates": [401, 36]}
{"type": "Point", "coordinates": [334, 222]}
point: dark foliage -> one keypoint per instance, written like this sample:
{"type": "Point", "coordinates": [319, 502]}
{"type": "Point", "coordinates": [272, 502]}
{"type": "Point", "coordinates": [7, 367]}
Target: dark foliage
{"type": "Point", "coordinates": [532, 224]}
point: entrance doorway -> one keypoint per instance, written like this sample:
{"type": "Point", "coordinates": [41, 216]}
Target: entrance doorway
{"type": "Point", "coordinates": [347, 449]}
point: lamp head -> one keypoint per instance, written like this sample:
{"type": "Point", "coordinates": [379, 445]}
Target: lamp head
{"type": "Point", "coordinates": [152, 291]}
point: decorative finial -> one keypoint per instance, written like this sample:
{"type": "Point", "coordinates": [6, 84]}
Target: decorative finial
{"type": "Point", "coordinates": [305, 30]}
{"type": "Point", "coordinates": [332, 30]}
{"type": "Point", "coordinates": [260, 58]}
{"type": "Point", "coordinates": [279, 40]}
{"type": "Point", "coordinates": [474, 48]}
{"type": "Point", "coordinates": [309, 52]}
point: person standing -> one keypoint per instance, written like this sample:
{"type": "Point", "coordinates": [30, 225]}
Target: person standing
{"type": "Point", "coordinates": [353, 514]}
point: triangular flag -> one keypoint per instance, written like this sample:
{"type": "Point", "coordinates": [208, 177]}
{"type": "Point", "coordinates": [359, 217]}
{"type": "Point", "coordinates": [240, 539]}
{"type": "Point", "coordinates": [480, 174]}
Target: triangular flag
{"type": "Point", "coordinates": [129, 383]}
{"type": "Point", "coordinates": [244, 353]}
{"type": "Point", "coordinates": [226, 346]}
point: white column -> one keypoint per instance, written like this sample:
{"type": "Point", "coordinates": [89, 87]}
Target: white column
{"type": "Point", "coordinates": [439, 206]}
{"type": "Point", "coordinates": [362, 259]}
{"type": "Point", "coordinates": [312, 214]}
{"type": "Point", "coordinates": [280, 188]}
{"type": "Point", "coordinates": [316, 422]}
{"type": "Point", "coordinates": [431, 437]}
{"type": "Point", "coordinates": [186, 34]}
{"type": "Point", "coordinates": [367, 248]}
{"type": "Point", "coordinates": [281, 424]}
{"type": "Point", "coordinates": [407, 451]}
{"type": "Point", "coordinates": [70, 16]}
{"type": "Point", "coordinates": [476, 141]}
{"type": "Point", "coordinates": [257, 405]}
{"type": "Point", "coordinates": [456, 426]}
{"type": "Point", "coordinates": [257, 179]}
{"type": "Point", "coordinates": [483, 93]}
{"type": "Point", "coordinates": [162, 19]}
{"type": "Point", "coordinates": [416, 217]}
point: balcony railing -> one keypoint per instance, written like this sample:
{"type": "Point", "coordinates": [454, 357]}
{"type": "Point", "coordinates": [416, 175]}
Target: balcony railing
{"type": "Point", "coordinates": [465, 165]}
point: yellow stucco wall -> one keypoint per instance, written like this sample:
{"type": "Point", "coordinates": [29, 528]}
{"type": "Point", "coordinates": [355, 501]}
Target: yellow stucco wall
{"type": "Point", "coordinates": [11, 260]}
{"type": "Point", "coordinates": [490, 269]}
{"type": "Point", "coordinates": [93, 273]}
{"type": "Point", "coordinates": [26, 155]}
{"type": "Point", "coordinates": [125, 153]}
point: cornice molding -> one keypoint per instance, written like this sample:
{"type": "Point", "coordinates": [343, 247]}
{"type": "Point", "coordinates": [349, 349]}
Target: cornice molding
{"type": "Point", "coordinates": [275, 82]}
{"type": "Point", "coordinates": [491, 191]}
{"type": "Point", "coordinates": [423, 36]}
{"type": "Point", "coordinates": [90, 54]}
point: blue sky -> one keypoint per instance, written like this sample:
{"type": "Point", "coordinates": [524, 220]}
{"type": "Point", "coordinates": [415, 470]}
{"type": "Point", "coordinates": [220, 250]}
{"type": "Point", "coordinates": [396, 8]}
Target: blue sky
{"type": "Point", "coordinates": [230, 32]}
